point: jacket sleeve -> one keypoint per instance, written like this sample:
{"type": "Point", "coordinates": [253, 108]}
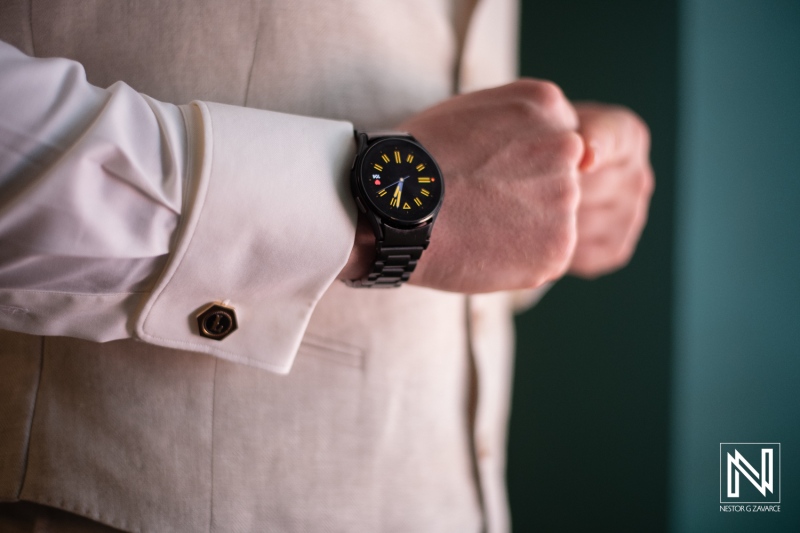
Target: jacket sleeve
{"type": "Point", "coordinates": [124, 217]}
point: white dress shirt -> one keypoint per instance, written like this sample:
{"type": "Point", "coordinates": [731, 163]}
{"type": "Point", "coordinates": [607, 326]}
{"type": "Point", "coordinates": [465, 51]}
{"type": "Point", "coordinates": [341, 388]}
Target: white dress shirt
{"type": "Point", "coordinates": [120, 215]}
{"type": "Point", "coordinates": [394, 413]}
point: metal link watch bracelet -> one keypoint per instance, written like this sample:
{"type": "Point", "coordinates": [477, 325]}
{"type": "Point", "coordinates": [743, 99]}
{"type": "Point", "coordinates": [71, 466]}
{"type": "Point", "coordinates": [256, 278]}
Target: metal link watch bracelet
{"type": "Point", "coordinates": [398, 187]}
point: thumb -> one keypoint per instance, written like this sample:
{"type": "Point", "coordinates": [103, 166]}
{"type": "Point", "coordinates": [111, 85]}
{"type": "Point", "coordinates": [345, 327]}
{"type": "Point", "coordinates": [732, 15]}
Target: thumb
{"type": "Point", "coordinates": [599, 126]}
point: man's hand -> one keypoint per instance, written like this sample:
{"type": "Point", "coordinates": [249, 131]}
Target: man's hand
{"type": "Point", "coordinates": [510, 159]}
{"type": "Point", "coordinates": [616, 183]}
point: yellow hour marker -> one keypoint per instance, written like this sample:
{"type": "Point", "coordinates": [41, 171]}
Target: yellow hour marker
{"type": "Point", "coordinates": [381, 192]}
{"type": "Point", "coordinates": [425, 192]}
{"type": "Point", "coordinates": [424, 180]}
{"type": "Point", "coordinates": [410, 158]}
{"type": "Point", "coordinates": [398, 192]}
{"type": "Point", "coordinates": [377, 167]}
{"type": "Point", "coordinates": [421, 167]}
{"type": "Point", "coordinates": [397, 156]}
{"type": "Point", "coordinates": [385, 158]}
{"type": "Point", "coordinates": [417, 201]}
{"type": "Point", "coordinates": [406, 206]}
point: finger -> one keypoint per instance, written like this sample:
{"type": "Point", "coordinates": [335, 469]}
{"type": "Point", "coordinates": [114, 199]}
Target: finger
{"type": "Point", "coordinates": [614, 183]}
{"type": "Point", "coordinates": [611, 134]}
{"type": "Point", "coordinates": [556, 154]}
{"type": "Point", "coordinates": [596, 258]}
{"type": "Point", "coordinates": [611, 223]}
{"type": "Point", "coordinates": [602, 136]}
{"type": "Point", "coordinates": [549, 101]}
{"type": "Point", "coordinates": [640, 215]}
{"type": "Point", "coordinates": [619, 182]}
{"type": "Point", "coordinates": [607, 238]}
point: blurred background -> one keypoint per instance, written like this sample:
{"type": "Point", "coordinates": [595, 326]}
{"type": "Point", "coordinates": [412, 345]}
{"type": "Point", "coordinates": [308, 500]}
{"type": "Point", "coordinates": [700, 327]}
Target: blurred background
{"type": "Point", "coordinates": [625, 386]}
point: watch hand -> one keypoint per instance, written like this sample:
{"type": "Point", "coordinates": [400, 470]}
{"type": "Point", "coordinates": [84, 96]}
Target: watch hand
{"type": "Point", "coordinates": [401, 180]}
{"type": "Point", "coordinates": [391, 184]}
{"type": "Point", "coordinates": [397, 193]}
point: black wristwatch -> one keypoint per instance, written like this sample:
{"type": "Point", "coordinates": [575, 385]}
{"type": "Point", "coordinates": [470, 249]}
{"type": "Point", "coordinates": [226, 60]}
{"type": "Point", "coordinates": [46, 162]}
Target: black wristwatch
{"type": "Point", "coordinates": [398, 187]}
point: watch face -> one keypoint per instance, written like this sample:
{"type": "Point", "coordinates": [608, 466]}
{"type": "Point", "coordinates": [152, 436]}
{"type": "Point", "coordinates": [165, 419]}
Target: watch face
{"type": "Point", "coordinates": [401, 181]}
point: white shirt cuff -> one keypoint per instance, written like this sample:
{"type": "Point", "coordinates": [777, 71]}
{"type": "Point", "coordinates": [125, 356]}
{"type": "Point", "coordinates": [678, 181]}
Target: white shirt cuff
{"type": "Point", "coordinates": [269, 224]}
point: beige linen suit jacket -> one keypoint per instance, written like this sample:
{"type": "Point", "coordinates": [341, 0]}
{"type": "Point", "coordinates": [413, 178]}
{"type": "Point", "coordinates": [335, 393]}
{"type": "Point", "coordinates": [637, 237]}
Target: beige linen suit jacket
{"type": "Point", "coordinates": [390, 416]}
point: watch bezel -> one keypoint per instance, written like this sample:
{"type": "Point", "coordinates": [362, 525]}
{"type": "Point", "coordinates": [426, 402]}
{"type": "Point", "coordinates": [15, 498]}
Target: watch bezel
{"type": "Point", "coordinates": [376, 209]}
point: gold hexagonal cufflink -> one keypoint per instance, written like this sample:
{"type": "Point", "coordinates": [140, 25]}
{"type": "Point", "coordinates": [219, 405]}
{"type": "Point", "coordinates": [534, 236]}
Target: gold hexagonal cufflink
{"type": "Point", "coordinates": [217, 321]}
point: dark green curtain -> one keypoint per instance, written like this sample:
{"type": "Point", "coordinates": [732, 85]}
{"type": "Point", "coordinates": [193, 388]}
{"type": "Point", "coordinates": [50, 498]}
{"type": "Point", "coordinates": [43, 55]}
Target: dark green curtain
{"type": "Point", "coordinates": [589, 430]}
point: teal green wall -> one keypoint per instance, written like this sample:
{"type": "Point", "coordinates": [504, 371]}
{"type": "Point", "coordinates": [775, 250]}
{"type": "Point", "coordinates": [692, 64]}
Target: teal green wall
{"type": "Point", "coordinates": [737, 349]}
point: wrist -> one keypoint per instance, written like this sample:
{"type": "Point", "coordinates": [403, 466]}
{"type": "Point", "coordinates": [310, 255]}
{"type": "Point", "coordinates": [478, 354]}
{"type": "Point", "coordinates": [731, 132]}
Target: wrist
{"type": "Point", "coordinates": [398, 189]}
{"type": "Point", "coordinates": [363, 253]}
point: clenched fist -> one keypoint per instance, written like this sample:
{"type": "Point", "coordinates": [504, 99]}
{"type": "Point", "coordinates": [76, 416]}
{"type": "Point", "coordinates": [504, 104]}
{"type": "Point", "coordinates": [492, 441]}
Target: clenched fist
{"type": "Point", "coordinates": [510, 159]}
{"type": "Point", "coordinates": [616, 183]}
{"type": "Point", "coordinates": [535, 187]}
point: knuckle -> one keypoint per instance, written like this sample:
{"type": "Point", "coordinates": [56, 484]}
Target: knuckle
{"type": "Point", "coordinates": [523, 84]}
{"type": "Point", "coordinates": [548, 94]}
{"type": "Point", "coordinates": [638, 128]}
{"type": "Point", "coordinates": [563, 245]}
{"type": "Point", "coordinates": [624, 254]}
{"type": "Point", "coordinates": [569, 193]}
{"type": "Point", "coordinates": [522, 107]}
{"type": "Point", "coordinates": [524, 90]}
{"type": "Point", "coordinates": [647, 182]}
{"type": "Point", "coordinates": [542, 92]}
{"type": "Point", "coordinates": [569, 148]}
{"type": "Point", "coordinates": [644, 133]}
{"type": "Point", "coordinates": [586, 267]}
{"type": "Point", "coordinates": [562, 260]}
{"type": "Point", "coordinates": [630, 124]}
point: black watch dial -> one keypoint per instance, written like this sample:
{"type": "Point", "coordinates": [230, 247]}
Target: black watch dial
{"type": "Point", "coordinates": [401, 180]}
